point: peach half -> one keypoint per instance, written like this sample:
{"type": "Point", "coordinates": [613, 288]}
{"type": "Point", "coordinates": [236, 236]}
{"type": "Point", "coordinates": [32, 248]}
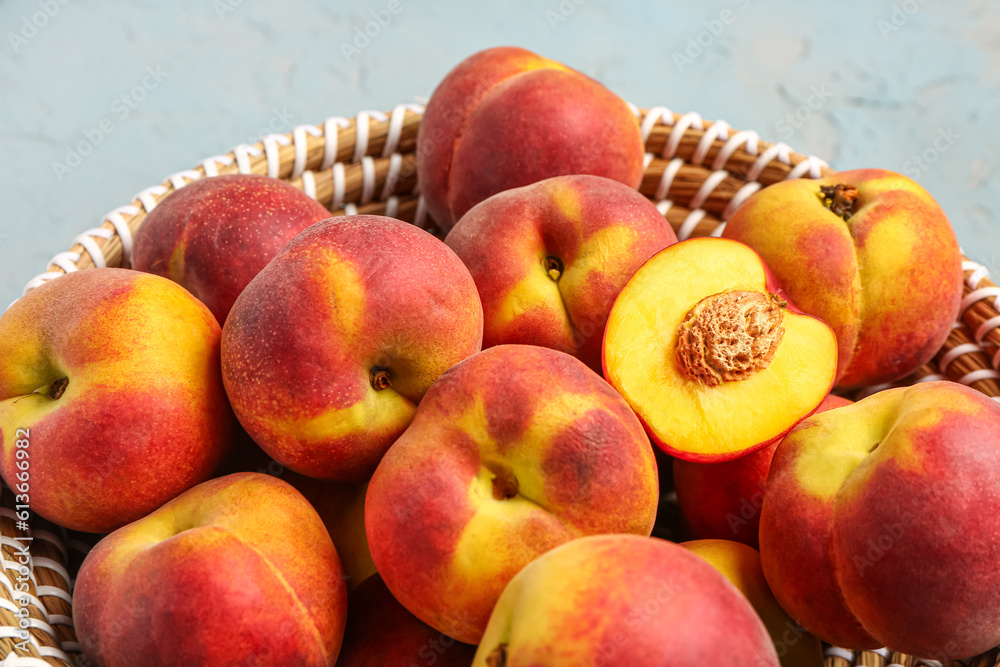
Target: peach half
{"type": "Point", "coordinates": [710, 355]}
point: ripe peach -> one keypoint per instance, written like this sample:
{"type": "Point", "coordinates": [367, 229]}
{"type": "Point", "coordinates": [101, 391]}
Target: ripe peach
{"type": "Point", "coordinates": [214, 235]}
{"type": "Point", "coordinates": [506, 117]}
{"type": "Point", "coordinates": [623, 600]}
{"type": "Point", "coordinates": [111, 400]}
{"type": "Point", "coordinates": [550, 258]}
{"type": "Point", "coordinates": [381, 633]}
{"type": "Point", "coordinates": [723, 500]}
{"type": "Point", "coordinates": [512, 452]}
{"type": "Point", "coordinates": [236, 571]}
{"type": "Point", "coordinates": [709, 354]}
{"type": "Point", "coordinates": [740, 564]}
{"type": "Point", "coordinates": [327, 352]}
{"type": "Point", "coordinates": [869, 252]}
{"type": "Point", "coordinates": [875, 508]}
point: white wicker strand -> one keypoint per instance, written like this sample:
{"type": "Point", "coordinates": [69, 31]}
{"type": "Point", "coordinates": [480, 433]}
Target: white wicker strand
{"type": "Point", "coordinates": [350, 208]}
{"type": "Point", "coordinates": [339, 184]}
{"type": "Point", "coordinates": [182, 178]}
{"type": "Point", "coordinates": [272, 152]}
{"type": "Point", "coordinates": [362, 128]}
{"type": "Point", "coordinates": [739, 197]}
{"type": "Point", "coordinates": [719, 130]}
{"type": "Point", "coordinates": [667, 178]}
{"type": "Point", "coordinates": [367, 179]}
{"type": "Point", "coordinates": [779, 151]}
{"type": "Point", "coordinates": [663, 206]}
{"type": "Point", "coordinates": [148, 196]}
{"type": "Point", "coordinates": [309, 184]}
{"type": "Point", "coordinates": [690, 222]}
{"type": "Point", "coordinates": [391, 176]}
{"type": "Point", "coordinates": [21, 661]}
{"type": "Point", "coordinates": [392, 206]}
{"type": "Point", "coordinates": [708, 187]}
{"type": "Point", "coordinates": [420, 217]}
{"type": "Point", "coordinates": [956, 352]}
{"type": "Point", "coordinates": [654, 116]}
{"type": "Point", "coordinates": [395, 131]}
{"type": "Point", "coordinates": [331, 131]}
{"type": "Point", "coordinates": [683, 124]}
{"type": "Point", "coordinates": [746, 138]}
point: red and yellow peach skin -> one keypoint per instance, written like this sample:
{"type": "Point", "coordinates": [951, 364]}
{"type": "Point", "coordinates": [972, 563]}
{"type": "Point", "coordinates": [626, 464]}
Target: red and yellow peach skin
{"type": "Point", "coordinates": [740, 564]}
{"type": "Point", "coordinates": [623, 600]}
{"type": "Point", "coordinates": [506, 117]}
{"type": "Point", "coordinates": [214, 235]}
{"type": "Point", "coordinates": [550, 258]}
{"type": "Point", "coordinates": [110, 379]}
{"type": "Point", "coordinates": [888, 279]}
{"type": "Point", "coordinates": [873, 509]}
{"type": "Point", "coordinates": [512, 452]}
{"type": "Point", "coordinates": [238, 570]}
{"type": "Point", "coordinates": [327, 352]}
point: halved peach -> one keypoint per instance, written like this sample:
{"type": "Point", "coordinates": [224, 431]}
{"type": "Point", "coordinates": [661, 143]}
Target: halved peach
{"type": "Point", "coordinates": [711, 356]}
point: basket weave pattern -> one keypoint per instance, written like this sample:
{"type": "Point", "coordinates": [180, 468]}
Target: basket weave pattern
{"type": "Point", "coordinates": [697, 172]}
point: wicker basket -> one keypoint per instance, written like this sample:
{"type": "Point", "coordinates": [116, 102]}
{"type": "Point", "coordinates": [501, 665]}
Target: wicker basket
{"type": "Point", "coordinates": [697, 173]}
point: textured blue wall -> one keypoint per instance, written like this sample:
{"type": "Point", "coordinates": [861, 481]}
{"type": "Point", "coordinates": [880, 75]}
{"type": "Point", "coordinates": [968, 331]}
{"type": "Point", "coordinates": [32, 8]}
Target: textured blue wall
{"type": "Point", "coordinates": [160, 85]}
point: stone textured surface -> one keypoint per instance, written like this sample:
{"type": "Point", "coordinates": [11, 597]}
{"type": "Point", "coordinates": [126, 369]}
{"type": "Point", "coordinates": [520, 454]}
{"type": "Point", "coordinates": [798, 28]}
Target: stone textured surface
{"type": "Point", "coordinates": [910, 85]}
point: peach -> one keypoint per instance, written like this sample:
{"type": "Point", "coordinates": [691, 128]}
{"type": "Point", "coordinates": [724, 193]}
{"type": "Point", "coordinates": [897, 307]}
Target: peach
{"type": "Point", "coordinates": [740, 564]}
{"type": "Point", "coordinates": [506, 117]}
{"type": "Point", "coordinates": [380, 633]}
{"type": "Point", "coordinates": [111, 400]}
{"type": "Point", "coordinates": [869, 252]}
{"type": "Point", "coordinates": [711, 356]}
{"type": "Point", "coordinates": [214, 235]}
{"type": "Point", "coordinates": [550, 258]}
{"type": "Point", "coordinates": [341, 506]}
{"type": "Point", "coordinates": [723, 500]}
{"type": "Point", "coordinates": [874, 509]}
{"type": "Point", "coordinates": [238, 570]}
{"type": "Point", "coordinates": [327, 352]}
{"type": "Point", "coordinates": [623, 600]}
{"type": "Point", "coordinates": [512, 452]}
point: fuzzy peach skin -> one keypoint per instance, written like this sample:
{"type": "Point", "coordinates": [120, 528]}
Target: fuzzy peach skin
{"type": "Point", "coordinates": [214, 235]}
{"type": "Point", "coordinates": [381, 633]}
{"type": "Point", "coordinates": [874, 509]}
{"type": "Point", "coordinates": [329, 349]}
{"type": "Point", "coordinates": [550, 258]}
{"type": "Point", "coordinates": [623, 600]}
{"type": "Point", "coordinates": [236, 571]}
{"type": "Point", "coordinates": [723, 500]}
{"type": "Point", "coordinates": [740, 564]}
{"type": "Point", "coordinates": [341, 506]}
{"type": "Point", "coordinates": [512, 452]}
{"type": "Point", "coordinates": [888, 280]}
{"type": "Point", "coordinates": [111, 400]}
{"type": "Point", "coordinates": [506, 117]}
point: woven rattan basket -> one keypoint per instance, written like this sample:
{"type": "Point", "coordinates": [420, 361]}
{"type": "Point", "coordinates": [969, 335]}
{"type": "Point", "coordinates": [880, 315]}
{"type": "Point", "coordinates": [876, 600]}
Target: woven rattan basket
{"type": "Point", "coordinates": [697, 173]}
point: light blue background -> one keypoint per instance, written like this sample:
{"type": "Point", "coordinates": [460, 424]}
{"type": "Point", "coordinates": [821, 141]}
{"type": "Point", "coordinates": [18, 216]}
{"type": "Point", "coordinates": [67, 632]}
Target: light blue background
{"type": "Point", "coordinates": [886, 79]}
